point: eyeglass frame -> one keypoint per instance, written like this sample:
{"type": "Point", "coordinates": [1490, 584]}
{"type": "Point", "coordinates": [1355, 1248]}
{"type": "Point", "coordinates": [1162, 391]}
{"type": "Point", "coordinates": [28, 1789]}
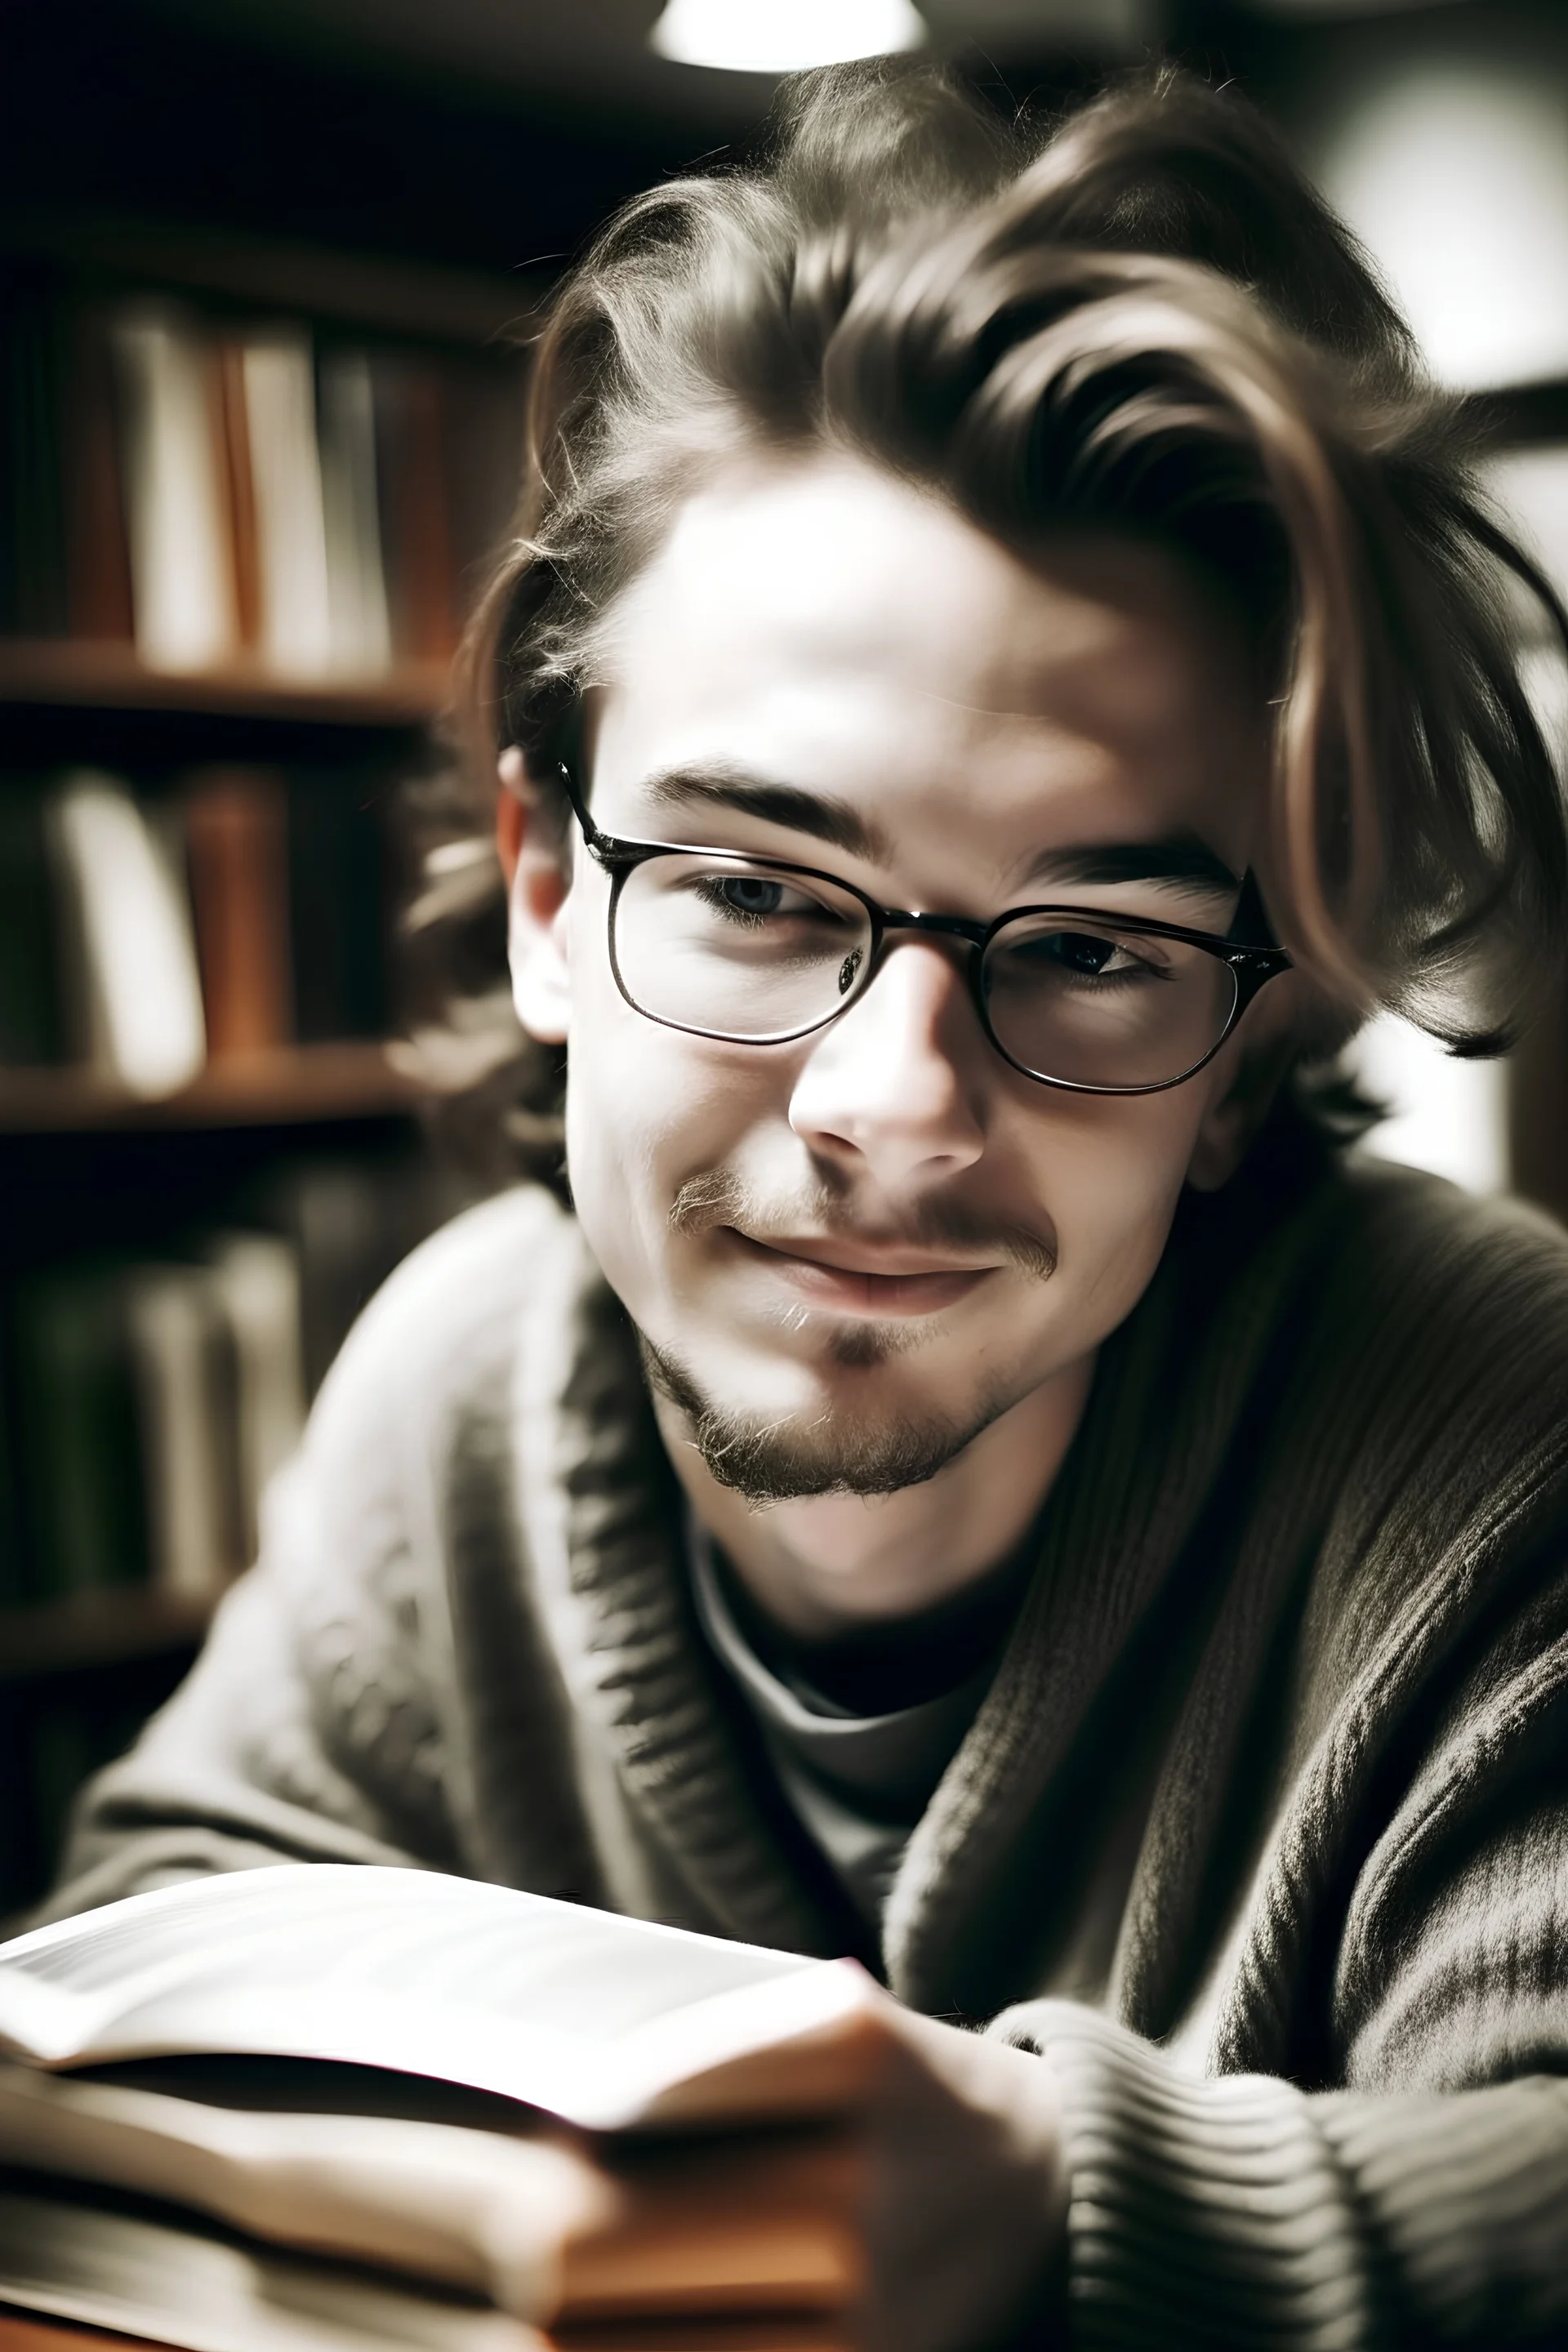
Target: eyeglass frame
{"type": "Point", "coordinates": [1252, 963]}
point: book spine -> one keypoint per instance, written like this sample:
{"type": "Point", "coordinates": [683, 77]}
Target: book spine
{"type": "Point", "coordinates": [181, 1361]}
{"type": "Point", "coordinates": [32, 1023]}
{"type": "Point", "coordinates": [415, 509]}
{"type": "Point", "coordinates": [239, 482]}
{"type": "Point", "coordinates": [256, 1278]}
{"type": "Point", "coordinates": [99, 560]}
{"type": "Point", "coordinates": [176, 514]}
{"type": "Point", "coordinates": [83, 1501]}
{"type": "Point", "coordinates": [130, 922]}
{"type": "Point", "coordinates": [360, 628]}
{"type": "Point", "coordinates": [236, 826]}
{"type": "Point", "coordinates": [290, 520]}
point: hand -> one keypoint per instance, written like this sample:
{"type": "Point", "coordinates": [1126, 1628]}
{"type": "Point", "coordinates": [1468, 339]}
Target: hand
{"type": "Point", "coordinates": [968, 2190]}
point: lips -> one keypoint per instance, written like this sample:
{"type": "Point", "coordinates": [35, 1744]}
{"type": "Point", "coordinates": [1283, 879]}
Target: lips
{"type": "Point", "coordinates": [862, 1278]}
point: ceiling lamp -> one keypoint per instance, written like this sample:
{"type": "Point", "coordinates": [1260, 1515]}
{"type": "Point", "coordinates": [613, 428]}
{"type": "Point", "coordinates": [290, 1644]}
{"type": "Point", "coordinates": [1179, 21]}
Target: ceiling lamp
{"type": "Point", "coordinates": [783, 36]}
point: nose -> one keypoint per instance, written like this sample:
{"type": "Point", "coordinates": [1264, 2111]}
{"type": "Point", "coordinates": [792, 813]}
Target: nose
{"type": "Point", "coordinates": [894, 1088]}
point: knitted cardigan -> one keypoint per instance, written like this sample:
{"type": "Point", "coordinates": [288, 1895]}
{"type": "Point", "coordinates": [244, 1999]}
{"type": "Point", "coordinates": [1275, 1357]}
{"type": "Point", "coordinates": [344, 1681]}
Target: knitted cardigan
{"type": "Point", "coordinates": [1299, 1617]}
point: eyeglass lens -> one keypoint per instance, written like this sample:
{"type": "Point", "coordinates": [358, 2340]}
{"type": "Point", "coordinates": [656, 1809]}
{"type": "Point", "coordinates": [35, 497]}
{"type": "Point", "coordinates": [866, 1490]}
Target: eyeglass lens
{"type": "Point", "coordinates": [752, 953]}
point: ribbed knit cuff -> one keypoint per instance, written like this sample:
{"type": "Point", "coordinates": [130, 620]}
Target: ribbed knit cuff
{"type": "Point", "coordinates": [1201, 2213]}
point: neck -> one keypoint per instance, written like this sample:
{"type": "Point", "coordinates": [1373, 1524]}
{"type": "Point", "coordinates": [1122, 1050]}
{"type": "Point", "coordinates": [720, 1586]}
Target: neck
{"type": "Point", "coordinates": [831, 1565]}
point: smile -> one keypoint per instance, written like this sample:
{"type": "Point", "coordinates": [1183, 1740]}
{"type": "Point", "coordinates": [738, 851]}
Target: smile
{"type": "Point", "coordinates": [859, 1279]}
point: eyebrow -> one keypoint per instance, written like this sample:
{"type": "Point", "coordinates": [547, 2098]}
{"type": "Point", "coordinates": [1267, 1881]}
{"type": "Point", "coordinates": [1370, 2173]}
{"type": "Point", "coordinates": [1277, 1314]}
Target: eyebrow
{"type": "Point", "coordinates": [1180, 860]}
{"type": "Point", "coordinates": [717, 785]}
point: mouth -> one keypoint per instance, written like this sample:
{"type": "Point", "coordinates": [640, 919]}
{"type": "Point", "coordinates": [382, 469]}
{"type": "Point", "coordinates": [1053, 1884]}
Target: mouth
{"type": "Point", "coordinates": [864, 1278]}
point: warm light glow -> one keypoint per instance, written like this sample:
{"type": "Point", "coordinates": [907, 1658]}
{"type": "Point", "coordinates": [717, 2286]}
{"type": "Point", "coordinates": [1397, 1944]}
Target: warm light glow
{"type": "Point", "coordinates": [783, 36]}
{"type": "Point", "coordinates": [1446, 1115]}
{"type": "Point", "coordinates": [1456, 176]}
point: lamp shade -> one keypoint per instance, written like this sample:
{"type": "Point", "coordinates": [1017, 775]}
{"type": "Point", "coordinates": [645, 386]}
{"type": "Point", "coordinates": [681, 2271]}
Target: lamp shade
{"type": "Point", "coordinates": [783, 36]}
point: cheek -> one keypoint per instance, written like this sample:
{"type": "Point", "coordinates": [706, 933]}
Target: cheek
{"type": "Point", "coordinates": [1116, 1167]}
{"type": "Point", "coordinates": [645, 1107]}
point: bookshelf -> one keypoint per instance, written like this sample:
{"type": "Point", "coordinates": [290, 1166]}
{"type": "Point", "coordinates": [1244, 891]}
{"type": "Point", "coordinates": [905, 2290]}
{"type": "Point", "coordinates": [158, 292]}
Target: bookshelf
{"type": "Point", "coordinates": [64, 674]}
{"type": "Point", "coordinates": [288, 1086]}
{"type": "Point", "coordinates": [91, 1632]}
{"type": "Point", "coordinates": [294, 1154]}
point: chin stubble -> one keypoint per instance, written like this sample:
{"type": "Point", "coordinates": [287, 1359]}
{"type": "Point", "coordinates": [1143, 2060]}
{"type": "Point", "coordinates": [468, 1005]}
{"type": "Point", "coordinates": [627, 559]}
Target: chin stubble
{"type": "Point", "coordinates": [839, 1451]}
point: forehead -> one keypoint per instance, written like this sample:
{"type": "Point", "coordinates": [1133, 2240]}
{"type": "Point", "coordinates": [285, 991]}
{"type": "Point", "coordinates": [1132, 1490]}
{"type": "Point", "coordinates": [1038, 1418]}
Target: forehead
{"type": "Point", "coordinates": [827, 626]}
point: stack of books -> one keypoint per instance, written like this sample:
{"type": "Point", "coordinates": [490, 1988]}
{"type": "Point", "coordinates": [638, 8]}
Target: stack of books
{"type": "Point", "coordinates": [342, 2107]}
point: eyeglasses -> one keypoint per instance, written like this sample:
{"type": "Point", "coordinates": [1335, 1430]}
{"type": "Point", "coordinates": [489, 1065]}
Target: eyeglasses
{"type": "Point", "coordinates": [754, 951]}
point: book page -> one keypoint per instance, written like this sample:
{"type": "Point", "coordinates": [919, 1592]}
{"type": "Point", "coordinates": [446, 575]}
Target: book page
{"type": "Point", "coordinates": [127, 2267]}
{"type": "Point", "coordinates": [475, 2210]}
{"type": "Point", "coordinates": [592, 2017]}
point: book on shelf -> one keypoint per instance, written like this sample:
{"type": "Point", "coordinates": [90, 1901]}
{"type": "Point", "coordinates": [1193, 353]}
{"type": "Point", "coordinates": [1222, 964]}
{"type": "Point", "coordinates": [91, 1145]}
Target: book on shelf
{"type": "Point", "coordinates": [32, 1015]}
{"type": "Point", "coordinates": [236, 856]}
{"type": "Point", "coordinates": [293, 601]}
{"type": "Point", "coordinates": [237, 913]}
{"type": "Point", "coordinates": [175, 487]}
{"type": "Point", "coordinates": [411, 429]}
{"type": "Point", "coordinates": [264, 494]}
{"type": "Point", "coordinates": [406, 2107]}
{"type": "Point", "coordinates": [154, 1399]}
{"type": "Point", "coordinates": [183, 1358]}
{"type": "Point", "coordinates": [98, 595]}
{"type": "Point", "coordinates": [77, 1465]}
{"type": "Point", "coordinates": [359, 622]}
{"type": "Point", "coordinates": [218, 1373]}
{"type": "Point", "coordinates": [255, 1281]}
{"type": "Point", "coordinates": [135, 992]}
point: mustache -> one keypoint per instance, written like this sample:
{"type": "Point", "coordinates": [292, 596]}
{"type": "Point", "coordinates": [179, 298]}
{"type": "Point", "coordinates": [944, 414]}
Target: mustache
{"type": "Point", "coordinates": [720, 1197]}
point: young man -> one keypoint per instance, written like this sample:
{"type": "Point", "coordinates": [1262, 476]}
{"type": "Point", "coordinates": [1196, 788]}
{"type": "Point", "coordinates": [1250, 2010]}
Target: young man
{"type": "Point", "coordinates": [976, 1480]}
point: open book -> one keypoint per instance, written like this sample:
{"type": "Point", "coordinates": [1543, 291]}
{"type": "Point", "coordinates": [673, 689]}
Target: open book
{"type": "Point", "coordinates": [502, 2111]}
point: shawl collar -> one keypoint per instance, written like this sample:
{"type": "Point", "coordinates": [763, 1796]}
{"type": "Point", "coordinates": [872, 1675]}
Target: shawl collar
{"type": "Point", "coordinates": [1121, 1595]}
{"type": "Point", "coordinates": [682, 1811]}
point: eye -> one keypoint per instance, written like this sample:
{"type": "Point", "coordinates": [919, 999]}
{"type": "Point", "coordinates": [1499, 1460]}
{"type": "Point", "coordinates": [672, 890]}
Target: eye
{"type": "Point", "coordinates": [1084, 962]}
{"type": "Point", "coordinates": [754, 900]}
{"type": "Point", "coordinates": [1089, 955]}
{"type": "Point", "coordinates": [750, 894]}
{"type": "Point", "coordinates": [1078, 952]}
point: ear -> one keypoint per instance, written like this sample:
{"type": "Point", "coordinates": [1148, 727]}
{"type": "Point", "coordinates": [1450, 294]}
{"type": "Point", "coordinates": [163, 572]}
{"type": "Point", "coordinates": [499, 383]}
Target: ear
{"type": "Point", "coordinates": [537, 886]}
{"type": "Point", "coordinates": [1253, 1068]}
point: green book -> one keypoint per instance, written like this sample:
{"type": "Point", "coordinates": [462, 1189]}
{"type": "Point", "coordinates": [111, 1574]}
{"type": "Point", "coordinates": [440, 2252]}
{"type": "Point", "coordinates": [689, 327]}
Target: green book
{"type": "Point", "coordinates": [32, 1026]}
{"type": "Point", "coordinates": [83, 1505]}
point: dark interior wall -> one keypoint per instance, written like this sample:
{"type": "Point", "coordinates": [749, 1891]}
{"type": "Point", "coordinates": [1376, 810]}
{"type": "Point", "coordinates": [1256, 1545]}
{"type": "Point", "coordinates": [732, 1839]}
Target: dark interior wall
{"type": "Point", "coordinates": [126, 106]}
{"type": "Point", "coordinates": [111, 105]}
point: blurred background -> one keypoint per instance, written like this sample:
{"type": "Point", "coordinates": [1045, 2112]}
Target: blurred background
{"type": "Point", "coordinates": [267, 274]}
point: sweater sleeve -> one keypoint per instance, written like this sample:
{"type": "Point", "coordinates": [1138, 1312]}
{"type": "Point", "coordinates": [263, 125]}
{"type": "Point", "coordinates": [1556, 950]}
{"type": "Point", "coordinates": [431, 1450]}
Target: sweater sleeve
{"type": "Point", "coordinates": [300, 1736]}
{"type": "Point", "coordinates": [316, 1726]}
{"type": "Point", "coordinates": [1241, 2211]}
{"type": "Point", "coordinates": [1419, 2196]}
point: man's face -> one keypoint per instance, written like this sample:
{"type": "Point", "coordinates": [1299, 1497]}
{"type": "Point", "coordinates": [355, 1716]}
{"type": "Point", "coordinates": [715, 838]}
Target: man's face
{"type": "Point", "coordinates": [849, 1254]}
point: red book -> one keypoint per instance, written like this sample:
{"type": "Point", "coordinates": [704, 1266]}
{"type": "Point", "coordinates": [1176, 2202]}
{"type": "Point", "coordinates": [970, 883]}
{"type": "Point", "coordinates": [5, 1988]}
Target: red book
{"type": "Point", "coordinates": [237, 846]}
{"type": "Point", "coordinates": [98, 563]}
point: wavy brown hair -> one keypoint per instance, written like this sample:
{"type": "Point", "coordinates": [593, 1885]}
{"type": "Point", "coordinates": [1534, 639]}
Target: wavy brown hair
{"type": "Point", "coordinates": [1146, 322]}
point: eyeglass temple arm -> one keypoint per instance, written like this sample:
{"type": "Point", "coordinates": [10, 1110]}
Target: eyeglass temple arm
{"type": "Point", "coordinates": [1251, 930]}
{"type": "Point", "coordinates": [596, 840]}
